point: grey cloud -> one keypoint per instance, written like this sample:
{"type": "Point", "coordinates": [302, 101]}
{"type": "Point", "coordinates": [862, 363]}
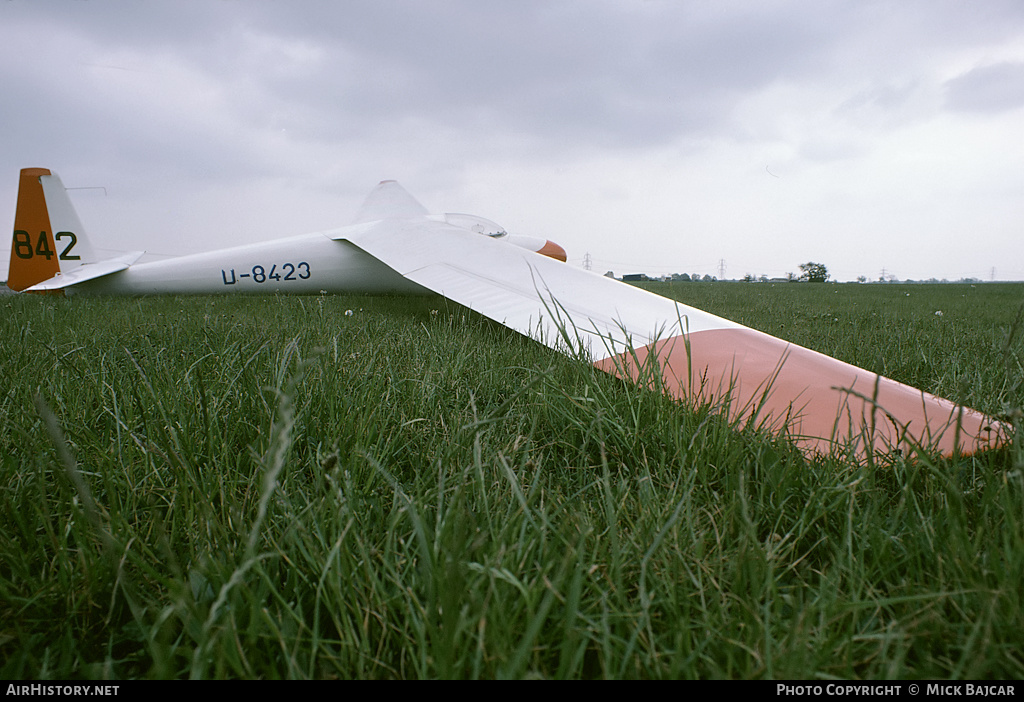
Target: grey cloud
{"type": "Point", "coordinates": [190, 25]}
{"type": "Point", "coordinates": [576, 75]}
{"type": "Point", "coordinates": [991, 88]}
{"type": "Point", "coordinates": [602, 73]}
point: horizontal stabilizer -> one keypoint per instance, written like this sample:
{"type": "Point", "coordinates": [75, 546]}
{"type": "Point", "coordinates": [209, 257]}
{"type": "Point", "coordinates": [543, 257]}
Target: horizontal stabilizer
{"type": "Point", "coordinates": [90, 271]}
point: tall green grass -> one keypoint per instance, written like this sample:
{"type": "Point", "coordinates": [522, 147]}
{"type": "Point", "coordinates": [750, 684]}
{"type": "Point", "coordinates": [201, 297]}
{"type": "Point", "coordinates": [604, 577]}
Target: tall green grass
{"type": "Point", "coordinates": [331, 487]}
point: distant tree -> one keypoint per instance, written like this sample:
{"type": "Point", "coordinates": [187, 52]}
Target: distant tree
{"type": "Point", "coordinates": [685, 277]}
{"type": "Point", "coordinates": [813, 272]}
{"type": "Point", "coordinates": [862, 278]}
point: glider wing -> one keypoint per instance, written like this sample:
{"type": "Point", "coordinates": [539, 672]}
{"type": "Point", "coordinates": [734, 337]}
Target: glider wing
{"type": "Point", "coordinates": [823, 404]}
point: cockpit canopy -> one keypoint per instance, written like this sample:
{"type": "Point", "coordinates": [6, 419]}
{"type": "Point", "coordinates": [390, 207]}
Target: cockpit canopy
{"type": "Point", "coordinates": [479, 225]}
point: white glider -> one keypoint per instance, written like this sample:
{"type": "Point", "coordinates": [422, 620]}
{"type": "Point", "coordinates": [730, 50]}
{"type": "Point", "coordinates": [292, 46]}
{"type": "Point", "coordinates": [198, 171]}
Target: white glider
{"type": "Point", "coordinates": [394, 245]}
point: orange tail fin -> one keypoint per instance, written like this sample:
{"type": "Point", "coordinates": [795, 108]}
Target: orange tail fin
{"type": "Point", "coordinates": [48, 236]}
{"type": "Point", "coordinates": [33, 252]}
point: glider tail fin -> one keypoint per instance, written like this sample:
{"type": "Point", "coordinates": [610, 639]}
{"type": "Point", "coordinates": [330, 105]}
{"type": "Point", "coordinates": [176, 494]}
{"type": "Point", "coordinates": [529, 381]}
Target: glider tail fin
{"type": "Point", "coordinates": [48, 236]}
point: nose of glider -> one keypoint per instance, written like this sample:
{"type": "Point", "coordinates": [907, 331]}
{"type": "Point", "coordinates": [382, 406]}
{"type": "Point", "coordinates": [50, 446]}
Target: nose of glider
{"type": "Point", "coordinates": [538, 245]}
{"type": "Point", "coordinates": [553, 250]}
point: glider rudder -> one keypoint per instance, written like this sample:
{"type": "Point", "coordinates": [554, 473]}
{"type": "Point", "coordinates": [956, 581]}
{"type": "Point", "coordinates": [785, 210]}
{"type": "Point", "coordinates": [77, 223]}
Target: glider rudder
{"type": "Point", "coordinates": [32, 245]}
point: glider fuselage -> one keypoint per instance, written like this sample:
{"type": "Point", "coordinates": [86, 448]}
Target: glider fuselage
{"type": "Point", "coordinates": [304, 264]}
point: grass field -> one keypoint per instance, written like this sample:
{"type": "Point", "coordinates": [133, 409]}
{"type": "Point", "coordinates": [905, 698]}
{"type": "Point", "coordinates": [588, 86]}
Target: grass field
{"type": "Point", "coordinates": [358, 487]}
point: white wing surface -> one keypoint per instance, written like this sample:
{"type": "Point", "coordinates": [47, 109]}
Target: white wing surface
{"type": "Point", "coordinates": [531, 293]}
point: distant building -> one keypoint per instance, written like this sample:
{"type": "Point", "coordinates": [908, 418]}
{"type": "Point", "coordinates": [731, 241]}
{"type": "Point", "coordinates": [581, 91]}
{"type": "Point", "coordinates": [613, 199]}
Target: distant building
{"type": "Point", "coordinates": [634, 277]}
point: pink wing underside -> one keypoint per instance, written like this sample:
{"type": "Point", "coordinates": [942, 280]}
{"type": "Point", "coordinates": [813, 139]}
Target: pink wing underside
{"type": "Point", "coordinates": [823, 404]}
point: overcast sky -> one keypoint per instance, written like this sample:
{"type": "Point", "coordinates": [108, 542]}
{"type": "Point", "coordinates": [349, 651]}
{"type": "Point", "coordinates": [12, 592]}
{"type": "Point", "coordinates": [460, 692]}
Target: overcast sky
{"type": "Point", "coordinates": [657, 136]}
